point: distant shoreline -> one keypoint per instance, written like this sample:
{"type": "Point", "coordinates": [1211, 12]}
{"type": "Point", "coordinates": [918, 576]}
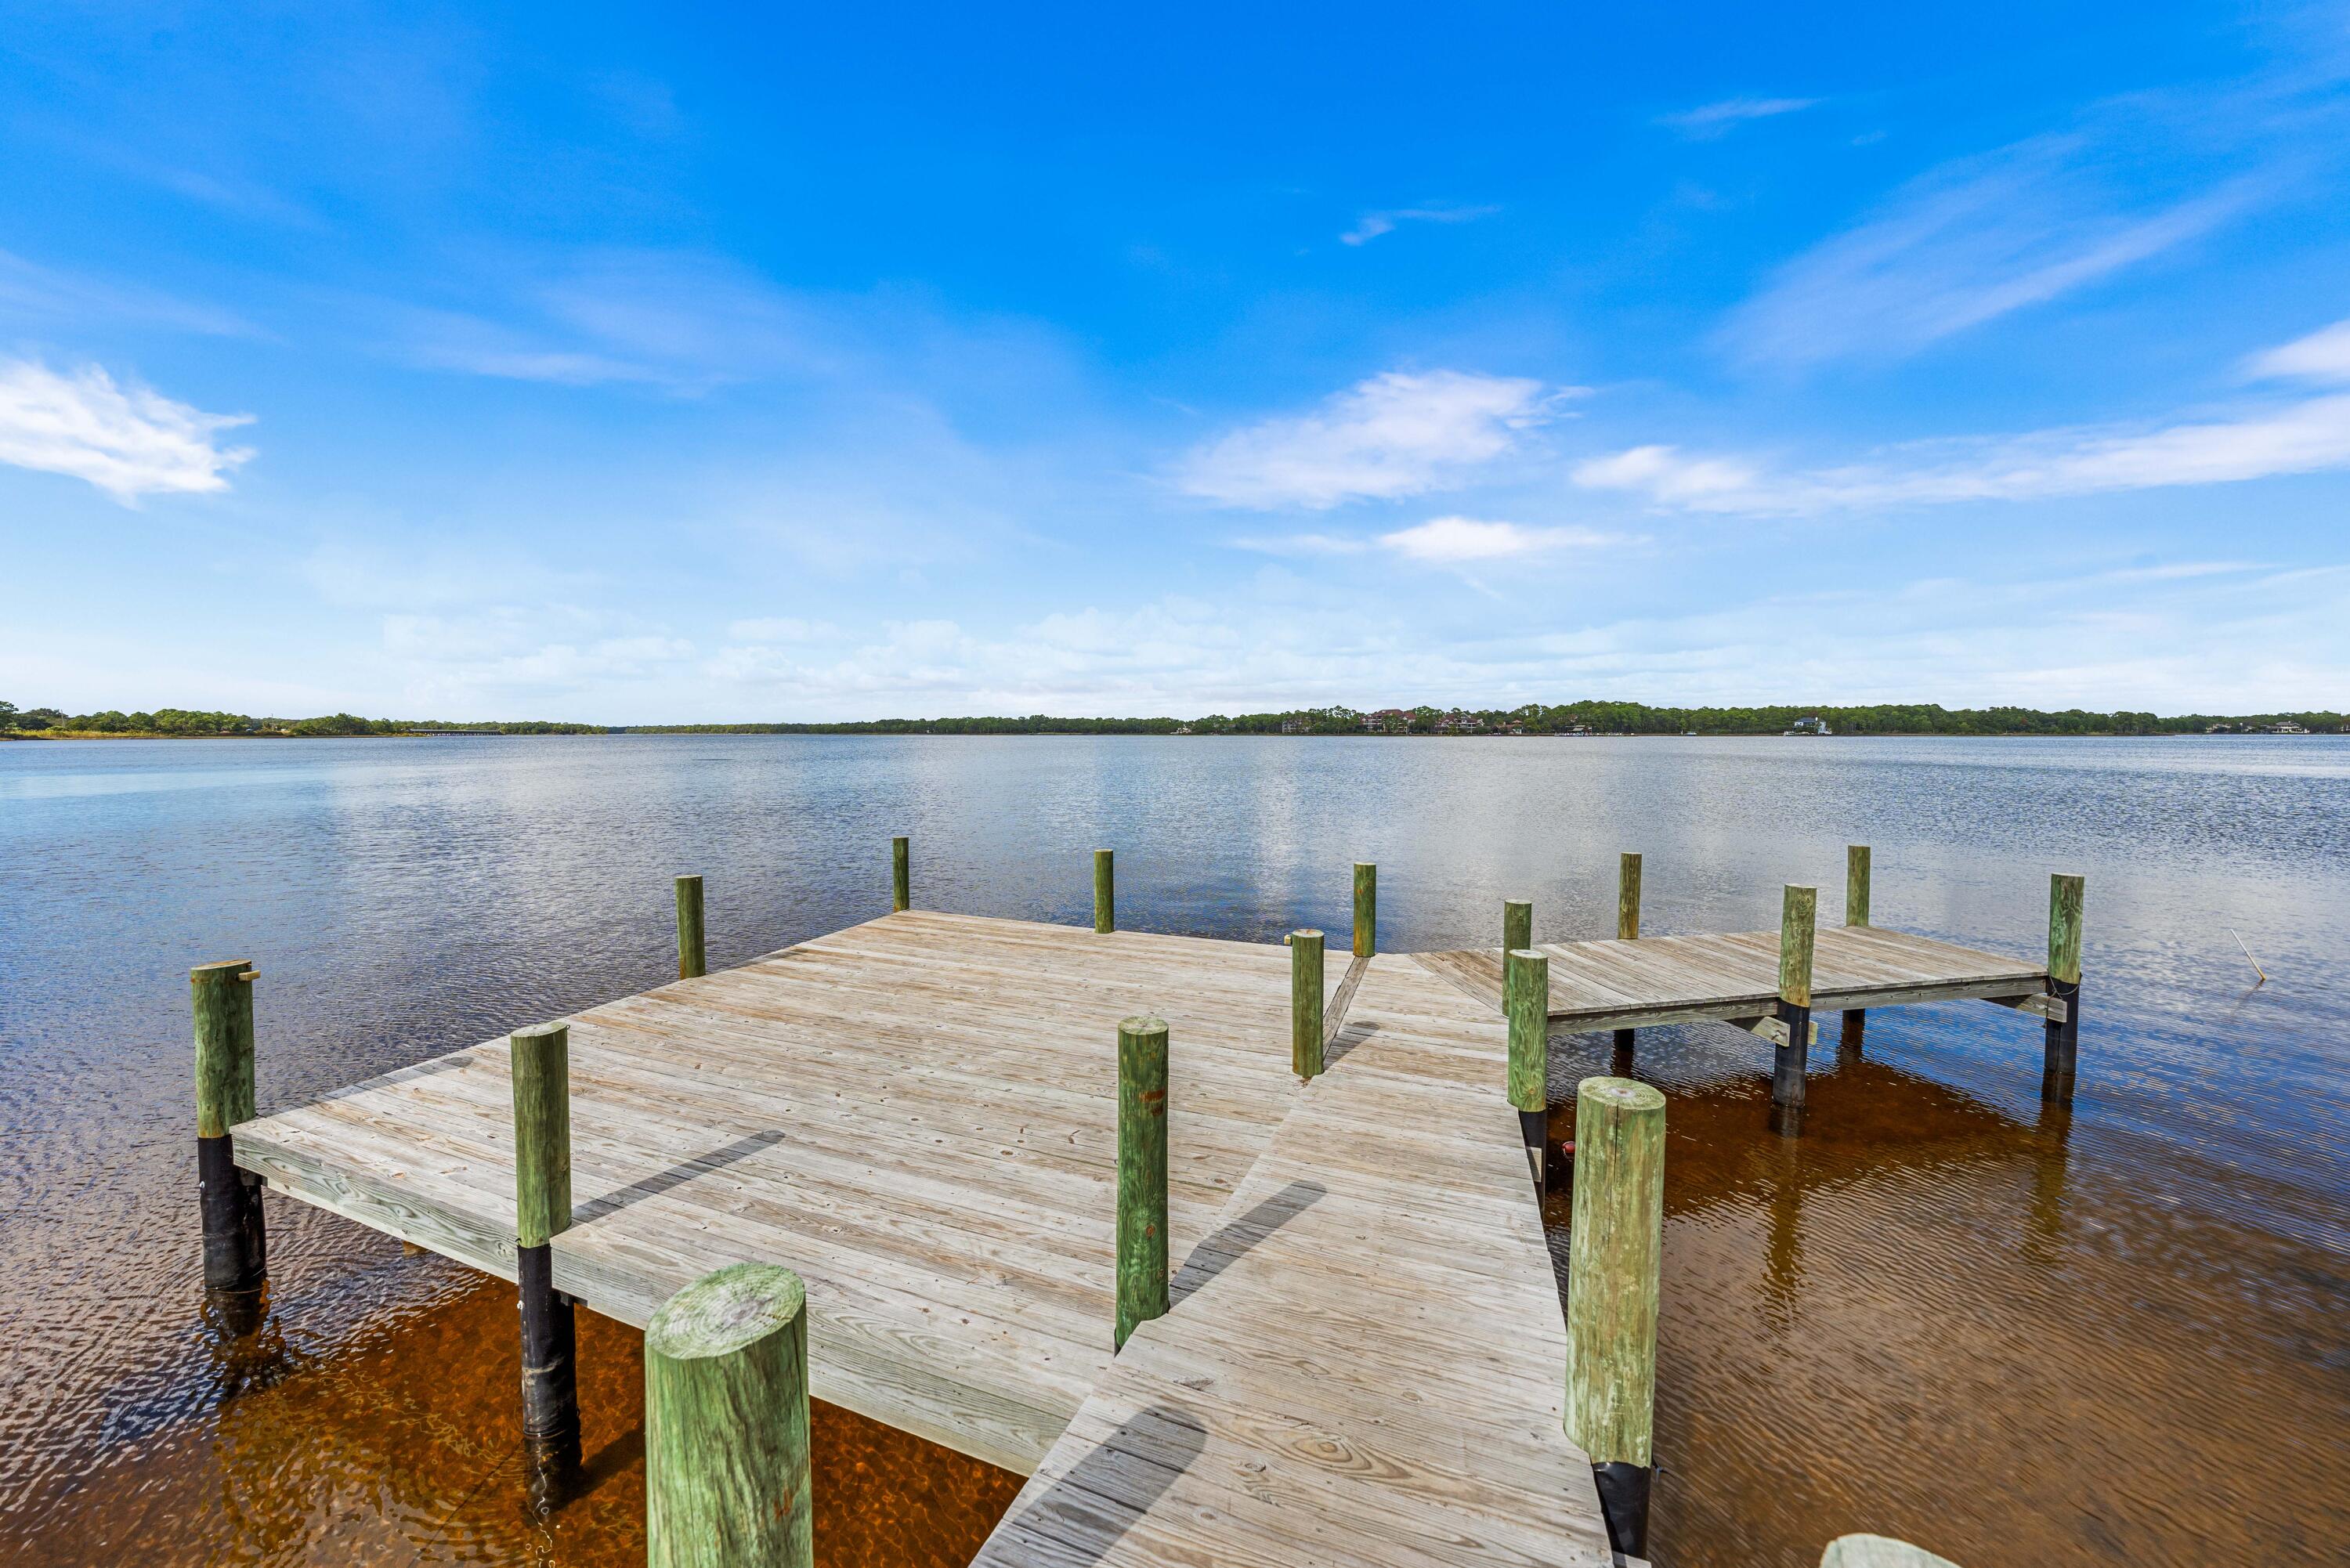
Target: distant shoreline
{"type": "Point", "coordinates": [650, 730]}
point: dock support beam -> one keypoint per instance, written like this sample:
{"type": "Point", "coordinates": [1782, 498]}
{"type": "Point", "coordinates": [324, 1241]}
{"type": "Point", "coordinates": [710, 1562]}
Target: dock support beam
{"type": "Point", "coordinates": [902, 875]}
{"type": "Point", "coordinates": [1628, 930]}
{"type": "Point", "coordinates": [1305, 1005]}
{"type": "Point", "coordinates": [1105, 893]}
{"type": "Point", "coordinates": [1141, 1174]}
{"type": "Point", "coordinates": [726, 1424]}
{"type": "Point", "coordinates": [236, 1243]}
{"type": "Point", "coordinates": [1614, 1249]}
{"type": "Point", "coordinates": [2062, 1037]}
{"type": "Point", "coordinates": [1367, 909]}
{"type": "Point", "coordinates": [692, 961]}
{"type": "Point", "coordinates": [550, 1372]}
{"type": "Point", "coordinates": [1856, 913]}
{"type": "Point", "coordinates": [1525, 1000]}
{"type": "Point", "coordinates": [1799, 911]}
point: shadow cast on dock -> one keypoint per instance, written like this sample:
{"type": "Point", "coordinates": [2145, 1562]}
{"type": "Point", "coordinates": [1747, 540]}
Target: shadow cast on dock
{"type": "Point", "coordinates": [1230, 1242]}
{"type": "Point", "coordinates": [1113, 1485]}
{"type": "Point", "coordinates": [676, 1176]}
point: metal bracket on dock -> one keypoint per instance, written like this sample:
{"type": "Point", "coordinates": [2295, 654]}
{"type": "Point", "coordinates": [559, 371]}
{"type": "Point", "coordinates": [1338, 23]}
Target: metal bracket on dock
{"type": "Point", "coordinates": [1774, 1030]}
{"type": "Point", "coordinates": [2051, 1008]}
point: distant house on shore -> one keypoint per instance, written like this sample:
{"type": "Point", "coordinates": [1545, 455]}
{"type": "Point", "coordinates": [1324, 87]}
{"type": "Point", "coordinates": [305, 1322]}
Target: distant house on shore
{"type": "Point", "coordinates": [1810, 724]}
{"type": "Point", "coordinates": [1296, 726]}
{"type": "Point", "coordinates": [1459, 723]}
{"type": "Point", "coordinates": [1388, 721]}
{"type": "Point", "coordinates": [2286, 727]}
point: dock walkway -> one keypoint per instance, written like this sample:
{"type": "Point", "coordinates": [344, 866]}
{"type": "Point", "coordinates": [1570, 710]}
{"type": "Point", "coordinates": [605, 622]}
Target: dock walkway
{"type": "Point", "coordinates": [1651, 981]}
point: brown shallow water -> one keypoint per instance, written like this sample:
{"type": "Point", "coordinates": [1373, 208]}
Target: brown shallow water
{"type": "Point", "coordinates": [2114, 1336]}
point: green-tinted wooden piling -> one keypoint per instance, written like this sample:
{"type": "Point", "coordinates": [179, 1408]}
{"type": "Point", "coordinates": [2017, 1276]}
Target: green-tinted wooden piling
{"type": "Point", "coordinates": [691, 960]}
{"type": "Point", "coordinates": [902, 875]}
{"type": "Point", "coordinates": [1798, 919]}
{"type": "Point", "coordinates": [221, 995]}
{"type": "Point", "coordinates": [1366, 909]}
{"type": "Point", "coordinates": [1517, 924]}
{"type": "Point", "coordinates": [541, 1072]}
{"type": "Point", "coordinates": [1525, 1002]}
{"type": "Point", "coordinates": [1305, 1003]}
{"type": "Point", "coordinates": [542, 1110]}
{"type": "Point", "coordinates": [1614, 1249]}
{"type": "Point", "coordinates": [1141, 1174]}
{"type": "Point", "coordinates": [726, 1424]}
{"type": "Point", "coordinates": [1104, 892]}
{"type": "Point", "coordinates": [1856, 913]}
{"type": "Point", "coordinates": [2062, 1036]}
{"type": "Point", "coordinates": [1628, 930]}
{"type": "Point", "coordinates": [235, 1240]}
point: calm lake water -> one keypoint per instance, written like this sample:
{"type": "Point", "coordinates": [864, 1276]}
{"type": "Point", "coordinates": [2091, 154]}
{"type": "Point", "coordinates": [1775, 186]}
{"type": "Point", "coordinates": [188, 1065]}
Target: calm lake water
{"type": "Point", "coordinates": [2116, 1335]}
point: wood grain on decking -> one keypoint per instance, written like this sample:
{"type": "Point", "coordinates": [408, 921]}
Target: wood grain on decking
{"type": "Point", "coordinates": [917, 1113]}
{"type": "Point", "coordinates": [1688, 979]}
{"type": "Point", "coordinates": [1363, 1365]}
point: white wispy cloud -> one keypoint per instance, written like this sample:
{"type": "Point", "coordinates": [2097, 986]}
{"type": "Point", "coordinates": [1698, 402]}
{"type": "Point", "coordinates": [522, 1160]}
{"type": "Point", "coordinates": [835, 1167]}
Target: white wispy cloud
{"type": "Point", "coordinates": [1371, 225]}
{"type": "Point", "coordinates": [1443, 541]}
{"type": "Point", "coordinates": [2253, 440]}
{"type": "Point", "coordinates": [1715, 118]}
{"type": "Point", "coordinates": [128, 440]}
{"type": "Point", "coordinates": [1400, 434]}
{"type": "Point", "coordinates": [679, 321]}
{"type": "Point", "coordinates": [2323, 356]}
{"type": "Point", "coordinates": [32, 292]}
{"type": "Point", "coordinates": [1965, 244]}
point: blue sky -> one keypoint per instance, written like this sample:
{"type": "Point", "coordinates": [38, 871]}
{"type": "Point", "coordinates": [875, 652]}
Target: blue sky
{"type": "Point", "coordinates": [637, 364]}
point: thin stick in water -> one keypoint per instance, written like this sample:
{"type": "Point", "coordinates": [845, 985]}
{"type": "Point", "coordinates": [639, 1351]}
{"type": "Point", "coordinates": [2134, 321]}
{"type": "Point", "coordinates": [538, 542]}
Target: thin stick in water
{"type": "Point", "coordinates": [2248, 959]}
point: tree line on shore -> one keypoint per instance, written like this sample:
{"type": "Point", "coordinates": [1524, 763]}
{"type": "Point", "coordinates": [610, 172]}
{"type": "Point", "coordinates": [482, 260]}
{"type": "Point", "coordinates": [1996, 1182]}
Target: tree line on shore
{"type": "Point", "coordinates": [1533, 718]}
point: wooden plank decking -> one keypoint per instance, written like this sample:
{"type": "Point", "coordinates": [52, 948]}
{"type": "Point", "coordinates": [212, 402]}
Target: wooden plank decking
{"type": "Point", "coordinates": [1691, 979]}
{"type": "Point", "coordinates": [917, 1113]}
{"type": "Point", "coordinates": [1363, 1365]}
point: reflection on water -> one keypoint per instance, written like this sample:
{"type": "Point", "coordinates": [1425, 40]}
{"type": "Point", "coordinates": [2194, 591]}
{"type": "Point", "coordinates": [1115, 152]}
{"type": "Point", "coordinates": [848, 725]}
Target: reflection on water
{"type": "Point", "coordinates": [1945, 1312]}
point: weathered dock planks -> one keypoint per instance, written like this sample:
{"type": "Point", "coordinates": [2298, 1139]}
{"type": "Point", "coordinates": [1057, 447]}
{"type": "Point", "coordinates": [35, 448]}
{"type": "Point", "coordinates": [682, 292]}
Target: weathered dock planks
{"type": "Point", "coordinates": [1363, 1363]}
{"type": "Point", "coordinates": [918, 1115]}
{"type": "Point", "coordinates": [1639, 983]}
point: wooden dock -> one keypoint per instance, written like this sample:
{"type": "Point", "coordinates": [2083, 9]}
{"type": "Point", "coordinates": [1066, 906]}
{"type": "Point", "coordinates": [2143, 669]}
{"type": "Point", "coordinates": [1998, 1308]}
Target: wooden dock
{"type": "Point", "coordinates": [1361, 1359]}
{"type": "Point", "coordinates": [1653, 981]}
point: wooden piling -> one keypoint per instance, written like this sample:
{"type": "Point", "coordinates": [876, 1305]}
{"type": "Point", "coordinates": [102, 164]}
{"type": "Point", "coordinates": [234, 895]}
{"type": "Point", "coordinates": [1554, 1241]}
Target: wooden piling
{"type": "Point", "coordinates": [1104, 892]}
{"type": "Point", "coordinates": [1628, 930]}
{"type": "Point", "coordinates": [1366, 909]}
{"type": "Point", "coordinates": [1799, 911]}
{"type": "Point", "coordinates": [1525, 991]}
{"type": "Point", "coordinates": [692, 963]}
{"type": "Point", "coordinates": [1856, 913]}
{"type": "Point", "coordinates": [902, 875]}
{"type": "Point", "coordinates": [1305, 1003]}
{"type": "Point", "coordinates": [726, 1424]}
{"type": "Point", "coordinates": [2060, 1037]}
{"type": "Point", "coordinates": [541, 1072]}
{"type": "Point", "coordinates": [1517, 924]}
{"type": "Point", "coordinates": [1614, 1249]}
{"type": "Point", "coordinates": [236, 1242]}
{"type": "Point", "coordinates": [1141, 1174]}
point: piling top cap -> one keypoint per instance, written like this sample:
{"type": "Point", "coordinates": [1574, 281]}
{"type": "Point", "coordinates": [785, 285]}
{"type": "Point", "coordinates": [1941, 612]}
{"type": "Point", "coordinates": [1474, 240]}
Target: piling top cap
{"type": "Point", "coordinates": [1305, 931]}
{"type": "Point", "coordinates": [1629, 1094]}
{"type": "Point", "coordinates": [721, 1313]}
{"type": "Point", "coordinates": [541, 1031]}
{"type": "Point", "coordinates": [1142, 1023]}
{"type": "Point", "coordinates": [1530, 955]}
{"type": "Point", "coordinates": [224, 968]}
